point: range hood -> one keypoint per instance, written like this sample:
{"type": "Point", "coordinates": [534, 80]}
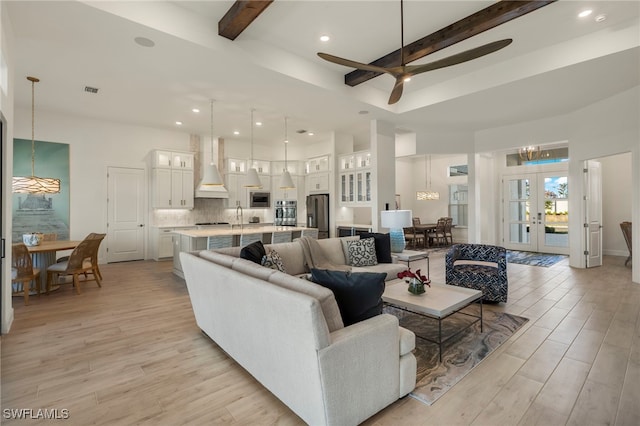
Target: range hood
{"type": "Point", "coordinates": [212, 192]}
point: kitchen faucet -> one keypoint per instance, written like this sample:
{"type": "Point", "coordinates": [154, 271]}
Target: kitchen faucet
{"type": "Point", "coordinates": [240, 216]}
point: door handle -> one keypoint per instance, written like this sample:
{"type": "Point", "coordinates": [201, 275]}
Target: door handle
{"type": "Point", "coordinates": [141, 225]}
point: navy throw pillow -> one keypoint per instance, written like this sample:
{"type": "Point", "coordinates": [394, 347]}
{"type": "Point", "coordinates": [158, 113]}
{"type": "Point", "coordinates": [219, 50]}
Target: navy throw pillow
{"type": "Point", "coordinates": [253, 252]}
{"type": "Point", "coordinates": [358, 294]}
{"type": "Point", "coordinates": [383, 246]}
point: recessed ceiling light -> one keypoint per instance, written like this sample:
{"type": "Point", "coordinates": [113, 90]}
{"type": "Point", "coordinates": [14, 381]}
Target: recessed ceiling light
{"type": "Point", "coordinates": [600, 18]}
{"type": "Point", "coordinates": [144, 42]}
{"type": "Point", "coordinates": [195, 110]}
{"type": "Point", "coordinates": [258, 123]}
{"type": "Point", "coordinates": [585, 13]}
{"type": "Point", "coordinates": [235, 132]}
{"type": "Point", "coordinates": [325, 38]}
{"type": "Point", "coordinates": [310, 133]}
{"type": "Point", "coordinates": [179, 123]}
{"type": "Point", "coordinates": [407, 79]}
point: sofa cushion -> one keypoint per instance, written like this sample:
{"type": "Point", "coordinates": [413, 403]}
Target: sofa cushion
{"type": "Point", "coordinates": [325, 296]}
{"type": "Point", "coordinates": [292, 256]}
{"type": "Point", "coordinates": [272, 260]}
{"type": "Point", "coordinates": [332, 248]}
{"type": "Point", "coordinates": [253, 252]}
{"type": "Point", "coordinates": [360, 252]}
{"type": "Point", "coordinates": [247, 267]}
{"type": "Point", "coordinates": [359, 295]}
{"type": "Point", "coordinates": [383, 245]}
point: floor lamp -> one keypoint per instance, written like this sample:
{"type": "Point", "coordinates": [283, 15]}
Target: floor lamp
{"type": "Point", "coordinates": [396, 221]}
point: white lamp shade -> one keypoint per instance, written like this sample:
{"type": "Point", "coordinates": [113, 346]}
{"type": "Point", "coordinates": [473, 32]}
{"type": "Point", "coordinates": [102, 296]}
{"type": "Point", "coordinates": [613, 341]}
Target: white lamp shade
{"type": "Point", "coordinates": [394, 219]}
{"type": "Point", "coordinates": [211, 176]}
{"type": "Point", "coordinates": [253, 180]}
{"type": "Point", "coordinates": [286, 182]}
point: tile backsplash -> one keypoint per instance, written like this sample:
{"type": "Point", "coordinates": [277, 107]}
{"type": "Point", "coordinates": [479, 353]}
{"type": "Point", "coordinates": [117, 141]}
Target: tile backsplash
{"type": "Point", "coordinates": [206, 210]}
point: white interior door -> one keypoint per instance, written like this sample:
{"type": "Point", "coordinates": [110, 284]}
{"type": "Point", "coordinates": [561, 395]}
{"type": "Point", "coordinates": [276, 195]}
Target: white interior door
{"type": "Point", "coordinates": [125, 205]}
{"type": "Point", "coordinates": [593, 212]}
{"type": "Point", "coordinates": [535, 215]}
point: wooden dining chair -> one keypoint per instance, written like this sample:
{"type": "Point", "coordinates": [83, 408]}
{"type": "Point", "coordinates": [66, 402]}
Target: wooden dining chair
{"type": "Point", "coordinates": [310, 232]}
{"type": "Point", "coordinates": [82, 261]}
{"type": "Point", "coordinates": [413, 237]}
{"type": "Point", "coordinates": [437, 235]}
{"type": "Point", "coordinates": [50, 237]}
{"type": "Point", "coordinates": [448, 234]}
{"type": "Point", "coordinates": [23, 274]}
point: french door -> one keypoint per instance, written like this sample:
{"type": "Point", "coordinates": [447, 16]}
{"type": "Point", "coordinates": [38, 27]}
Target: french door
{"type": "Point", "coordinates": [536, 212]}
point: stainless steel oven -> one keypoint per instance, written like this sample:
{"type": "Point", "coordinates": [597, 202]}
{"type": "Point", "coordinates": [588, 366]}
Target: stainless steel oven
{"type": "Point", "coordinates": [286, 213]}
{"type": "Point", "coordinates": [258, 200]}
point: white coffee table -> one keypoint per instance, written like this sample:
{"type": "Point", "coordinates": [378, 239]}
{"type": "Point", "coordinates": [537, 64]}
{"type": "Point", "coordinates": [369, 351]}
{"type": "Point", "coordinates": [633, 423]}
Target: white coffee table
{"type": "Point", "coordinates": [439, 302]}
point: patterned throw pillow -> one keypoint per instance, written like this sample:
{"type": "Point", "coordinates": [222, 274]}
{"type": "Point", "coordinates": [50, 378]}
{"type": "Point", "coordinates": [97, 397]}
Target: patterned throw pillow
{"type": "Point", "coordinates": [362, 252]}
{"type": "Point", "coordinates": [273, 260]}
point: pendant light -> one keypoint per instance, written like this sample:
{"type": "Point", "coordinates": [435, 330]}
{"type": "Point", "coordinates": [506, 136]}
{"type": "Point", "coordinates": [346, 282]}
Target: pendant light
{"type": "Point", "coordinates": [285, 181]}
{"type": "Point", "coordinates": [33, 184]}
{"type": "Point", "coordinates": [429, 194]}
{"type": "Point", "coordinates": [253, 180]}
{"type": "Point", "coordinates": [211, 174]}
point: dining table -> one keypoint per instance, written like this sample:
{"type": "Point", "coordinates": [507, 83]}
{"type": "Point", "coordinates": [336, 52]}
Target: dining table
{"type": "Point", "coordinates": [44, 255]}
{"type": "Point", "coordinates": [425, 228]}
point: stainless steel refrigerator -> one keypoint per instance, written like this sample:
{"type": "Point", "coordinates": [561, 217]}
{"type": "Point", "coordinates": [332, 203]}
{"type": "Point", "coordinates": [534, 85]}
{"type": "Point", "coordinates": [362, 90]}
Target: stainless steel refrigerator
{"type": "Point", "coordinates": [318, 214]}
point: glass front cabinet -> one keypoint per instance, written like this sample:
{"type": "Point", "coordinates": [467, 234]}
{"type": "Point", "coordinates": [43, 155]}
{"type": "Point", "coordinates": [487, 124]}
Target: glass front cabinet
{"type": "Point", "coordinates": [355, 178]}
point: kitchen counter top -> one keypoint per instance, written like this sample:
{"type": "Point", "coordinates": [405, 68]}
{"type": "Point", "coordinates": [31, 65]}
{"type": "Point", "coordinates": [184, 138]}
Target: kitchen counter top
{"type": "Point", "coordinates": [236, 230]}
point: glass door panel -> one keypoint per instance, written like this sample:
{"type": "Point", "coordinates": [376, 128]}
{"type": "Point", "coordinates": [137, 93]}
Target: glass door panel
{"type": "Point", "coordinates": [519, 192]}
{"type": "Point", "coordinates": [553, 236]}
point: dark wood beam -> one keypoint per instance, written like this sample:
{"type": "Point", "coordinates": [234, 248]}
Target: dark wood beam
{"type": "Point", "coordinates": [240, 16]}
{"type": "Point", "coordinates": [490, 17]}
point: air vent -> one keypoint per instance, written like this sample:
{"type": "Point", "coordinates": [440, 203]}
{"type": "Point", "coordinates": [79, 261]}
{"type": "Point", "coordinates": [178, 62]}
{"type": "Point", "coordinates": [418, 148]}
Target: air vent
{"type": "Point", "coordinates": [301, 131]}
{"type": "Point", "coordinates": [90, 89]}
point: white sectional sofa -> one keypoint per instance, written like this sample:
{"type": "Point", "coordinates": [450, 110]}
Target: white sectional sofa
{"type": "Point", "coordinates": [288, 333]}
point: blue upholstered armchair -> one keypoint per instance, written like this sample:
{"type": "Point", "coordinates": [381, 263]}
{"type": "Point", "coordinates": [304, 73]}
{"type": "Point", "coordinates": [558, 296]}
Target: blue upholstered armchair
{"type": "Point", "coordinates": [480, 267]}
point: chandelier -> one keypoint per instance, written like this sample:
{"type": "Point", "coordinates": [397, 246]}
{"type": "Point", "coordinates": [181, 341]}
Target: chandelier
{"type": "Point", "coordinates": [429, 194]}
{"type": "Point", "coordinates": [34, 184]}
{"type": "Point", "coordinates": [529, 153]}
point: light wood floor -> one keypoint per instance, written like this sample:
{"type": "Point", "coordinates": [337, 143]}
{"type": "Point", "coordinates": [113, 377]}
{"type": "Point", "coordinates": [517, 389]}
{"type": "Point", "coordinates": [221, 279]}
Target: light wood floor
{"type": "Point", "coordinates": [130, 353]}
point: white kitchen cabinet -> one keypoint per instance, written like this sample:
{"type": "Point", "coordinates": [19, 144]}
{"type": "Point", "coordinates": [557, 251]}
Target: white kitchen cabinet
{"type": "Point", "coordinates": [161, 241]}
{"type": "Point", "coordinates": [293, 167]}
{"type": "Point", "coordinates": [355, 183]}
{"type": "Point", "coordinates": [172, 160]}
{"type": "Point", "coordinates": [172, 189]}
{"type": "Point", "coordinates": [238, 194]}
{"type": "Point", "coordinates": [182, 188]}
{"type": "Point", "coordinates": [172, 183]}
{"type": "Point", "coordinates": [235, 165]}
{"type": "Point", "coordinates": [318, 164]}
{"type": "Point", "coordinates": [317, 182]}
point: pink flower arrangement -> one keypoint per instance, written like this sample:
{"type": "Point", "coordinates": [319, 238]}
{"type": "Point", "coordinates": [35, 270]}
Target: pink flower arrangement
{"type": "Point", "coordinates": [416, 275]}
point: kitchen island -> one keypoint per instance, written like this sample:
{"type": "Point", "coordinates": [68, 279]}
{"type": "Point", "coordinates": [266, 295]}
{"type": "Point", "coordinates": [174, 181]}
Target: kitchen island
{"type": "Point", "coordinates": [198, 239]}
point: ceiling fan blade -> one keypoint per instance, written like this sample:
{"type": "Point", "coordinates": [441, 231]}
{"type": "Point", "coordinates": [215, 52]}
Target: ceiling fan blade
{"type": "Point", "coordinates": [459, 58]}
{"type": "Point", "coordinates": [352, 64]}
{"type": "Point", "coordinates": [396, 93]}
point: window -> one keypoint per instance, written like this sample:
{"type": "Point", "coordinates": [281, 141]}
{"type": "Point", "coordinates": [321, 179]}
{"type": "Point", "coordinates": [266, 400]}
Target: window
{"type": "Point", "coordinates": [458, 207]}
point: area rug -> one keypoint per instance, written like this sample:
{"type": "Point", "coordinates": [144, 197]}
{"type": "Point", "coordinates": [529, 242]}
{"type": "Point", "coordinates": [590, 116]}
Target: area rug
{"type": "Point", "coordinates": [533, 259]}
{"type": "Point", "coordinates": [460, 354]}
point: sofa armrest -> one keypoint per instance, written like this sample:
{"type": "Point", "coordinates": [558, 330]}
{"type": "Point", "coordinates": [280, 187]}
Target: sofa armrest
{"type": "Point", "coordinates": [358, 360]}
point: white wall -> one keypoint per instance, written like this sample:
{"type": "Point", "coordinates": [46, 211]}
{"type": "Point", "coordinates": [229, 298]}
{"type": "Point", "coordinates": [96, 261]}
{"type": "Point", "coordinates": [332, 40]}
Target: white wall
{"type": "Point", "coordinates": [616, 202]}
{"type": "Point", "coordinates": [7, 112]}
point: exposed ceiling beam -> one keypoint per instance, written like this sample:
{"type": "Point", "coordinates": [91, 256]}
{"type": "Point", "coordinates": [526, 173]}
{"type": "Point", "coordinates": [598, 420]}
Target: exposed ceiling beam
{"type": "Point", "coordinates": [487, 18]}
{"type": "Point", "coordinates": [239, 16]}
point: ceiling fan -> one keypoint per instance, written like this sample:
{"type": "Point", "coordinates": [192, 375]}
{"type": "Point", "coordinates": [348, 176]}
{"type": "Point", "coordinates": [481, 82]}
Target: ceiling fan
{"type": "Point", "coordinates": [404, 72]}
